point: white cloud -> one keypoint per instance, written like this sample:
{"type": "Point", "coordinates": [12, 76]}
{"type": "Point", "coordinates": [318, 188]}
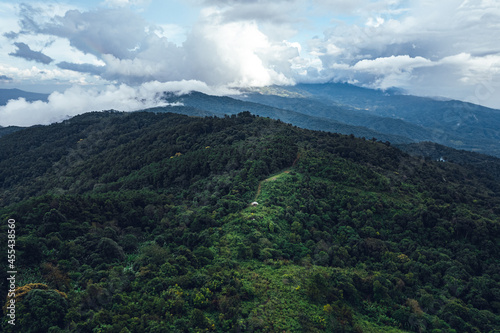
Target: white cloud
{"type": "Point", "coordinates": [431, 48]}
{"type": "Point", "coordinates": [426, 47]}
{"type": "Point", "coordinates": [392, 64]}
{"type": "Point", "coordinates": [34, 73]}
{"type": "Point", "coordinates": [125, 3]}
{"type": "Point", "coordinates": [77, 100]}
{"type": "Point", "coordinates": [238, 54]}
{"type": "Point", "coordinates": [126, 49]}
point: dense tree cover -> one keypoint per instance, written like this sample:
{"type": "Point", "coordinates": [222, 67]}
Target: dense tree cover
{"type": "Point", "coordinates": [8, 130]}
{"type": "Point", "coordinates": [142, 223]}
{"type": "Point", "coordinates": [487, 164]}
{"type": "Point", "coordinates": [302, 112]}
{"type": "Point", "coordinates": [453, 123]}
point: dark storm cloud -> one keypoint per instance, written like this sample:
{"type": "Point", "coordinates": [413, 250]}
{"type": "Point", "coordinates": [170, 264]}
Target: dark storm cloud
{"type": "Point", "coordinates": [104, 31]}
{"type": "Point", "coordinates": [82, 68]}
{"type": "Point", "coordinates": [24, 51]}
{"type": "Point", "coordinates": [11, 35]}
{"type": "Point", "coordinates": [5, 78]}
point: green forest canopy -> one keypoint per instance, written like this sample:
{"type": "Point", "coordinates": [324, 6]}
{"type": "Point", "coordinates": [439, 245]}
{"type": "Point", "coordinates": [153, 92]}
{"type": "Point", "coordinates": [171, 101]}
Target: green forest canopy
{"type": "Point", "coordinates": [142, 222]}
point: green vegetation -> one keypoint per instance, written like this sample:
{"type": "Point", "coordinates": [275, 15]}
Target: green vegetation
{"type": "Point", "coordinates": [453, 123]}
{"type": "Point", "coordinates": [486, 164]}
{"type": "Point", "coordinates": [142, 223]}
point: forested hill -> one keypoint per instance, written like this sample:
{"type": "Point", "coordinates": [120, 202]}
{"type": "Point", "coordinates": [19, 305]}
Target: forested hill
{"type": "Point", "coordinates": [8, 130]}
{"type": "Point", "coordinates": [482, 163]}
{"type": "Point", "coordinates": [451, 123]}
{"type": "Point", "coordinates": [142, 222]}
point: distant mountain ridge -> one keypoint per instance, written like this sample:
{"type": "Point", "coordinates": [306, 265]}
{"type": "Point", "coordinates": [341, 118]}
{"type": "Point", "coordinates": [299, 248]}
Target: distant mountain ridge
{"type": "Point", "coordinates": [452, 123]}
{"type": "Point", "coordinates": [9, 94]}
{"type": "Point", "coordinates": [346, 109]}
{"type": "Point", "coordinates": [323, 108]}
{"type": "Point", "coordinates": [226, 105]}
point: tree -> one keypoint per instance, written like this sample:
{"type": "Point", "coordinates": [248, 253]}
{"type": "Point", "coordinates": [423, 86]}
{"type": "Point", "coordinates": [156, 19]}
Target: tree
{"type": "Point", "coordinates": [110, 250]}
{"type": "Point", "coordinates": [40, 310]}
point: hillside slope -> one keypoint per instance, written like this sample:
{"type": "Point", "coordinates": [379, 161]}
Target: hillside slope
{"type": "Point", "coordinates": [489, 165]}
{"type": "Point", "coordinates": [9, 129]}
{"type": "Point", "coordinates": [451, 123]}
{"type": "Point", "coordinates": [141, 222]}
{"type": "Point", "coordinates": [315, 118]}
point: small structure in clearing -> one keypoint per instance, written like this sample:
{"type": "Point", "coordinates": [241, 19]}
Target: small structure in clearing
{"type": "Point", "coordinates": [254, 204]}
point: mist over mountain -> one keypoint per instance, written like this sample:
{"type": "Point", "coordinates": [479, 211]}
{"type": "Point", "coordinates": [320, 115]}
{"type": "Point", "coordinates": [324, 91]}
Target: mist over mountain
{"type": "Point", "coordinates": [7, 95]}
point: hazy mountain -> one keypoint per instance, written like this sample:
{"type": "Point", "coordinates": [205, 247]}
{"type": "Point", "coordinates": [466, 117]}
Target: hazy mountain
{"type": "Point", "coordinates": [324, 109]}
{"type": "Point", "coordinates": [448, 122]}
{"type": "Point", "coordinates": [8, 94]}
{"type": "Point", "coordinates": [230, 106]}
{"type": "Point", "coordinates": [343, 108]}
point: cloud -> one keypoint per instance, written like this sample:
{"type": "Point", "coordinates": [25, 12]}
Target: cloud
{"type": "Point", "coordinates": [77, 100]}
{"type": "Point", "coordinates": [5, 78]}
{"type": "Point", "coordinates": [463, 76]}
{"type": "Point", "coordinates": [102, 31]}
{"type": "Point", "coordinates": [125, 3]}
{"type": "Point", "coordinates": [11, 35]}
{"type": "Point", "coordinates": [237, 54]}
{"type": "Point", "coordinates": [392, 64]}
{"type": "Point", "coordinates": [34, 75]}
{"type": "Point", "coordinates": [128, 48]}
{"type": "Point", "coordinates": [279, 20]}
{"type": "Point", "coordinates": [172, 32]}
{"type": "Point", "coordinates": [216, 51]}
{"type": "Point", "coordinates": [276, 12]}
{"type": "Point", "coordinates": [358, 7]}
{"type": "Point", "coordinates": [24, 51]}
{"type": "Point", "coordinates": [427, 47]}
{"type": "Point", "coordinates": [82, 68]}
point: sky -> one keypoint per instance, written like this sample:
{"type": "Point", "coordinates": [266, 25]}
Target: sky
{"type": "Point", "coordinates": [119, 54]}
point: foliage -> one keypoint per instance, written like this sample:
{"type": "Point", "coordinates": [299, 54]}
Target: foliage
{"type": "Point", "coordinates": [349, 235]}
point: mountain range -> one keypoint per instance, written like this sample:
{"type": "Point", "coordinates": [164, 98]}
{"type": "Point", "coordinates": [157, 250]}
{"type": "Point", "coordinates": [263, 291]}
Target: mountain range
{"type": "Point", "coordinates": [451, 123]}
{"type": "Point", "coordinates": [343, 108]}
{"type": "Point", "coordinates": [387, 116]}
